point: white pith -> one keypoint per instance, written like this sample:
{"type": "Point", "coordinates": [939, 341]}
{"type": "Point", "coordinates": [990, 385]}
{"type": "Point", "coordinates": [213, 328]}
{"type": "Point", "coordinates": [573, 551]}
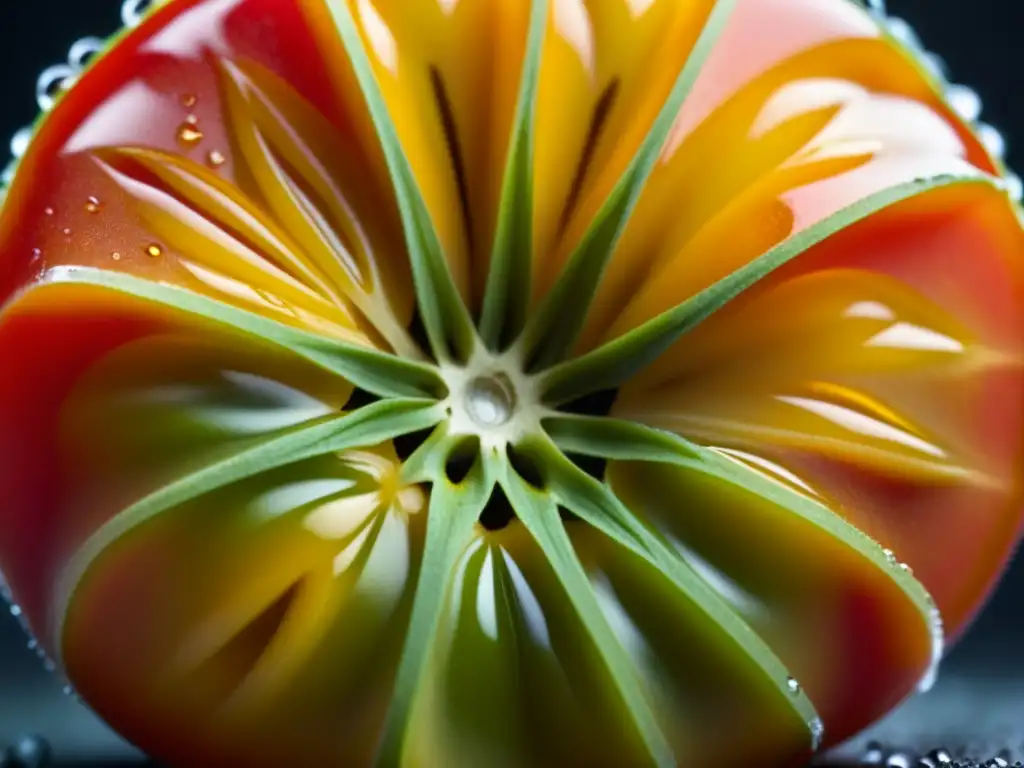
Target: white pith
{"type": "Point", "coordinates": [492, 398]}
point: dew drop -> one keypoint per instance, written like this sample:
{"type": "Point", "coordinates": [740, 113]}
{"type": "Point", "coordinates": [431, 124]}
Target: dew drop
{"type": "Point", "coordinates": [93, 205]}
{"type": "Point", "coordinates": [189, 135]}
{"type": "Point", "coordinates": [938, 632]}
{"type": "Point", "coordinates": [817, 734]}
{"type": "Point", "coordinates": [898, 760]}
{"type": "Point", "coordinates": [926, 762]}
{"type": "Point", "coordinates": [902, 31]}
{"type": "Point", "coordinates": [793, 685]}
{"type": "Point", "coordinates": [906, 569]}
{"type": "Point", "coordinates": [965, 102]}
{"type": "Point", "coordinates": [890, 557]}
{"type": "Point", "coordinates": [15, 610]}
{"type": "Point", "coordinates": [49, 211]}
{"type": "Point", "coordinates": [941, 756]}
{"type": "Point", "coordinates": [8, 175]}
{"type": "Point", "coordinates": [189, 100]}
{"type": "Point", "coordinates": [116, 255]}
{"type": "Point", "coordinates": [1014, 187]}
{"type": "Point", "coordinates": [66, 231]}
{"type": "Point", "coordinates": [215, 158]}
{"type": "Point", "coordinates": [873, 753]}
{"type": "Point", "coordinates": [51, 83]}
{"type": "Point", "coordinates": [992, 140]}
{"type": "Point", "coordinates": [935, 65]}
{"type": "Point", "coordinates": [490, 400]}
{"type": "Point", "coordinates": [83, 51]}
{"type": "Point", "coordinates": [37, 254]}
{"type": "Point", "coordinates": [154, 250]}
{"type": "Point", "coordinates": [31, 751]}
{"type": "Point", "coordinates": [134, 11]}
{"type": "Point", "coordinates": [20, 142]}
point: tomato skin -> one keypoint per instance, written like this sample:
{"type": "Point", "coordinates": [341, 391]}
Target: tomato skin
{"type": "Point", "coordinates": [221, 633]}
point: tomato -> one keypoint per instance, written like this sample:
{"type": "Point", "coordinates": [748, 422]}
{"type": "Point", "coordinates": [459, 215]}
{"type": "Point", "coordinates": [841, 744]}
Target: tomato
{"type": "Point", "coordinates": [461, 382]}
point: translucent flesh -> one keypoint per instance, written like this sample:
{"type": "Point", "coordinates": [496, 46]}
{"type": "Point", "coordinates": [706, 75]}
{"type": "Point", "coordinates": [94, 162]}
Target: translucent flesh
{"type": "Point", "coordinates": [226, 148]}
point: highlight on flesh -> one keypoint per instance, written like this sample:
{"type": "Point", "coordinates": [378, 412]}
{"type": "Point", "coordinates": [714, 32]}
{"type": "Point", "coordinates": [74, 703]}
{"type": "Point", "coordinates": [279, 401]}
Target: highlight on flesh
{"type": "Point", "coordinates": [506, 382]}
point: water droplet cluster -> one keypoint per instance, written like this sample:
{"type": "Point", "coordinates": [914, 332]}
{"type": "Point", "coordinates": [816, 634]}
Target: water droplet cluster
{"type": "Point", "coordinates": [963, 100]}
{"type": "Point", "coordinates": [58, 78]}
{"type": "Point", "coordinates": [875, 753]}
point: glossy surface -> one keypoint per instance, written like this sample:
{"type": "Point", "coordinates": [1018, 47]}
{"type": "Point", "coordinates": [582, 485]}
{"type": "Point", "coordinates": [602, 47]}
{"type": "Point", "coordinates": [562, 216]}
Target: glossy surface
{"type": "Point", "coordinates": [224, 147]}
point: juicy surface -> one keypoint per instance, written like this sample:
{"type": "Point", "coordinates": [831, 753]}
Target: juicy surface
{"type": "Point", "coordinates": [224, 147]}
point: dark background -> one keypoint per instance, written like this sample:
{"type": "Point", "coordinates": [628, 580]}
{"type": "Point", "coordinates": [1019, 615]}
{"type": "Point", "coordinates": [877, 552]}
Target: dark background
{"type": "Point", "coordinates": [977, 708]}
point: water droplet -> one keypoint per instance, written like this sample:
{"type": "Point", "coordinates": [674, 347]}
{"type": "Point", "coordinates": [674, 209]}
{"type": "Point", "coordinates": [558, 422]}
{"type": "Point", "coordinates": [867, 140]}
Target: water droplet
{"type": "Point", "coordinates": [8, 175]}
{"type": "Point", "coordinates": [154, 250]}
{"type": "Point", "coordinates": [898, 760]}
{"type": "Point", "coordinates": [965, 102]}
{"type": "Point", "coordinates": [15, 610]}
{"type": "Point", "coordinates": [926, 762]}
{"type": "Point", "coordinates": [116, 256]}
{"type": "Point", "coordinates": [192, 120]}
{"type": "Point", "coordinates": [215, 158]}
{"type": "Point", "coordinates": [66, 231]}
{"type": "Point", "coordinates": [935, 65]}
{"type": "Point", "coordinates": [873, 754]}
{"type": "Point", "coordinates": [37, 254]}
{"type": "Point", "coordinates": [33, 644]}
{"type": "Point", "coordinates": [51, 83]}
{"type": "Point", "coordinates": [49, 211]}
{"type": "Point", "coordinates": [938, 631]}
{"type": "Point", "coordinates": [1014, 187]}
{"type": "Point", "coordinates": [906, 568]}
{"type": "Point", "coordinates": [189, 100]}
{"type": "Point", "coordinates": [68, 690]}
{"type": "Point", "coordinates": [817, 734]}
{"type": "Point", "coordinates": [189, 135]}
{"type": "Point", "coordinates": [93, 205]}
{"type": "Point", "coordinates": [890, 557]}
{"type": "Point", "coordinates": [902, 31]}
{"type": "Point", "coordinates": [793, 685]}
{"type": "Point", "coordinates": [83, 51]}
{"type": "Point", "coordinates": [134, 11]}
{"type": "Point", "coordinates": [32, 751]}
{"type": "Point", "coordinates": [992, 140]}
{"type": "Point", "coordinates": [941, 756]}
{"type": "Point", "coordinates": [877, 6]}
{"type": "Point", "coordinates": [20, 141]}
{"type": "Point", "coordinates": [490, 400]}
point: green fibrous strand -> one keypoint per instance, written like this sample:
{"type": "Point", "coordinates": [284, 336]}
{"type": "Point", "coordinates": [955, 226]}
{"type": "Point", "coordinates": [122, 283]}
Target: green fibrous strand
{"type": "Point", "coordinates": [414, 396]}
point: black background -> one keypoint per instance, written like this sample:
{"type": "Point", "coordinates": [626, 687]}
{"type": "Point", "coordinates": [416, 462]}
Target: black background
{"type": "Point", "coordinates": [977, 707]}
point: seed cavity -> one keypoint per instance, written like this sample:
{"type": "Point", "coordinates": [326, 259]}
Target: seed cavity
{"type": "Point", "coordinates": [461, 459]}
